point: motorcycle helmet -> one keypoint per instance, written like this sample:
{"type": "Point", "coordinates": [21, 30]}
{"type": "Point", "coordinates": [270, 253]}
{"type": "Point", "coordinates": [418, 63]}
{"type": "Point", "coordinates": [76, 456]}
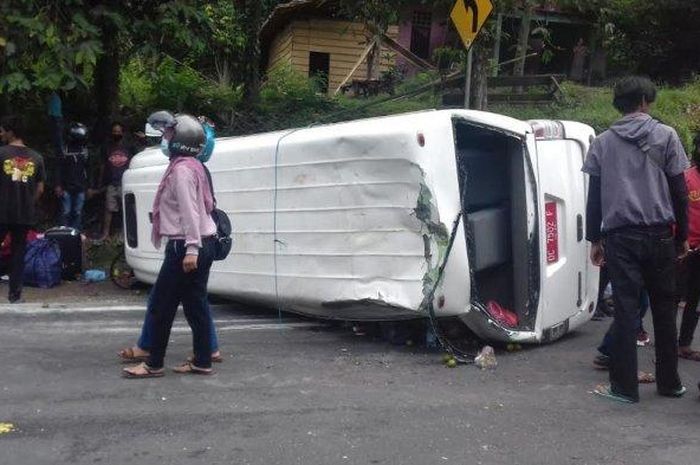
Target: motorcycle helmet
{"type": "Point", "coordinates": [77, 132]}
{"type": "Point", "coordinates": [210, 136]}
{"type": "Point", "coordinates": [183, 135]}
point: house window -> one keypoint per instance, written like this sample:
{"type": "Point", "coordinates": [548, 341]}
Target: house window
{"type": "Point", "coordinates": [420, 34]}
{"type": "Point", "coordinates": [319, 67]}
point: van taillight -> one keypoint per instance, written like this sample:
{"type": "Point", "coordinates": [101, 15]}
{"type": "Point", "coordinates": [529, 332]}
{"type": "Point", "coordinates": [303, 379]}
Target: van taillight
{"type": "Point", "coordinates": [552, 231]}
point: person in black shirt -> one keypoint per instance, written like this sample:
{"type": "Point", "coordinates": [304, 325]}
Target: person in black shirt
{"type": "Point", "coordinates": [71, 176]}
{"type": "Point", "coordinates": [117, 156]}
{"type": "Point", "coordinates": [22, 178]}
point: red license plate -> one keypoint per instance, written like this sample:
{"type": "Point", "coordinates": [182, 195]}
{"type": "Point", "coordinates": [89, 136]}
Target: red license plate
{"type": "Point", "coordinates": [552, 231]}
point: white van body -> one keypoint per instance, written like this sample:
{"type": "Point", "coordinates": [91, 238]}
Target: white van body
{"type": "Point", "coordinates": [351, 221]}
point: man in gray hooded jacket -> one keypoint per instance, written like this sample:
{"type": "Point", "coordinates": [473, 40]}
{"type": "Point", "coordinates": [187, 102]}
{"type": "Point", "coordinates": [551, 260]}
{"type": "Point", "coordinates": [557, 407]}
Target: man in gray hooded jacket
{"type": "Point", "coordinates": [637, 224]}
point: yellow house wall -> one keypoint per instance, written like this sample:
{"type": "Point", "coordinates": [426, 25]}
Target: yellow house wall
{"type": "Point", "coordinates": [344, 41]}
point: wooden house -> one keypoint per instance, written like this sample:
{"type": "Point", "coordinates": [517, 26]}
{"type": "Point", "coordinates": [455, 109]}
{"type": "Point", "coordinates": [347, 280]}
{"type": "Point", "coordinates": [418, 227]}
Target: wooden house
{"type": "Point", "coordinates": [309, 37]}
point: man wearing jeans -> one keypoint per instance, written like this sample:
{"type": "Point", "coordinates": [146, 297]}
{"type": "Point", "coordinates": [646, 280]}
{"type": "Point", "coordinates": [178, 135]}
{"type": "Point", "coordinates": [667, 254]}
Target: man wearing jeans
{"type": "Point", "coordinates": [71, 177]}
{"type": "Point", "coordinates": [638, 225]}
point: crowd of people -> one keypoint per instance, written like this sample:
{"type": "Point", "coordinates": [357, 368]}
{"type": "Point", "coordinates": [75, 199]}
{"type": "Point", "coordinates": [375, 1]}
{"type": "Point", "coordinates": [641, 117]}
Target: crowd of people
{"type": "Point", "coordinates": [25, 175]}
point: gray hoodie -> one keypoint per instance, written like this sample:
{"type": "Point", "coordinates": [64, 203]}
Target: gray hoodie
{"type": "Point", "coordinates": [634, 184]}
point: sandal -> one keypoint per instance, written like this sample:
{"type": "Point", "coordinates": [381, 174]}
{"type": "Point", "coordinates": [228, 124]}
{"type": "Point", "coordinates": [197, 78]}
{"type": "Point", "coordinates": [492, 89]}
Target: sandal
{"type": "Point", "coordinates": [693, 355]}
{"type": "Point", "coordinates": [214, 358]}
{"type": "Point", "coordinates": [604, 390]}
{"type": "Point", "coordinates": [128, 355]}
{"type": "Point", "coordinates": [644, 377]}
{"type": "Point", "coordinates": [142, 371]}
{"type": "Point", "coordinates": [188, 368]}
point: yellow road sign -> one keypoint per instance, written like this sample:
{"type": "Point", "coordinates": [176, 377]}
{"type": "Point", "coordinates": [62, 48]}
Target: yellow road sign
{"type": "Point", "coordinates": [469, 17]}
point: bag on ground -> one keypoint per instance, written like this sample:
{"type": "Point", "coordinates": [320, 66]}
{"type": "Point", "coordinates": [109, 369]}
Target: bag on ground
{"type": "Point", "coordinates": [42, 264]}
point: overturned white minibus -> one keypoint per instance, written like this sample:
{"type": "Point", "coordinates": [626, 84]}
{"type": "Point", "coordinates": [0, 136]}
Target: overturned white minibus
{"type": "Point", "coordinates": [352, 221]}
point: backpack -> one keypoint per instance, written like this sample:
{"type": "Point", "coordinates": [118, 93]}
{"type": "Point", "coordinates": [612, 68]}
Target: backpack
{"type": "Point", "coordinates": [42, 264]}
{"type": "Point", "coordinates": [224, 242]}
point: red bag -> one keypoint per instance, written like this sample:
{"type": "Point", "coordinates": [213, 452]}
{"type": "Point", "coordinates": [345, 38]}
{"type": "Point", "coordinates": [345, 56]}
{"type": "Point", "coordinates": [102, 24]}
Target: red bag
{"type": "Point", "coordinates": [6, 247]}
{"type": "Point", "coordinates": [502, 315]}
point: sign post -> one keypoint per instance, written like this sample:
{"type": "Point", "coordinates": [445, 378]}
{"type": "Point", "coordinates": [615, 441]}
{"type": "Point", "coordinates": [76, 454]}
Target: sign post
{"type": "Point", "coordinates": [469, 16]}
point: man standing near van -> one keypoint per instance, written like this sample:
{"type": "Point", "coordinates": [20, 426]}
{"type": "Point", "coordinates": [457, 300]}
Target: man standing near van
{"type": "Point", "coordinates": [116, 155]}
{"type": "Point", "coordinates": [21, 185]}
{"type": "Point", "coordinates": [637, 222]}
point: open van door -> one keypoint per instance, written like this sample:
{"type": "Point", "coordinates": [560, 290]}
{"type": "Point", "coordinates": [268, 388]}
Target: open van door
{"type": "Point", "coordinates": [563, 188]}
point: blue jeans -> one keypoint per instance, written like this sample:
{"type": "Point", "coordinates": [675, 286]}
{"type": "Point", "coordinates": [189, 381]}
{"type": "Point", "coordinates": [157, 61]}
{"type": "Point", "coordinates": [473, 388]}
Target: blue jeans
{"type": "Point", "coordinates": [72, 209]}
{"type": "Point", "coordinates": [608, 338]}
{"type": "Point", "coordinates": [174, 287]}
{"type": "Point", "coordinates": [146, 339]}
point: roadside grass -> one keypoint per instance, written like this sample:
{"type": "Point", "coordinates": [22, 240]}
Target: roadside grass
{"type": "Point", "coordinates": [678, 107]}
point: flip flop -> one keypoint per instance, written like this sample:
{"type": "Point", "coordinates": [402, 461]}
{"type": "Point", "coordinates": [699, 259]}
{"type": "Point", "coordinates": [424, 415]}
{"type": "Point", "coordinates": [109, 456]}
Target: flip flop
{"type": "Point", "coordinates": [214, 359]}
{"type": "Point", "coordinates": [149, 372]}
{"type": "Point", "coordinates": [128, 356]}
{"type": "Point", "coordinates": [188, 368]}
{"type": "Point", "coordinates": [644, 377]}
{"type": "Point", "coordinates": [693, 355]}
{"type": "Point", "coordinates": [604, 390]}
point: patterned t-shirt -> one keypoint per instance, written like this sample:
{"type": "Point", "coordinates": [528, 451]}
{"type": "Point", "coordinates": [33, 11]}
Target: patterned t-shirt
{"type": "Point", "coordinates": [22, 169]}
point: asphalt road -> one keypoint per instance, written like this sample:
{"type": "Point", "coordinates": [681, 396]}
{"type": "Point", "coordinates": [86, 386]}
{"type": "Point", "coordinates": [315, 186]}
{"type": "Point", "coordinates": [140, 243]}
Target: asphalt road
{"type": "Point", "coordinates": [304, 392]}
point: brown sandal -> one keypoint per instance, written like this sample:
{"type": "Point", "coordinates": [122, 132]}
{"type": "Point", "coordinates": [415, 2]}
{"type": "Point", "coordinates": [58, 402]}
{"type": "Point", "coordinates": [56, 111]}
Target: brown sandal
{"type": "Point", "coordinates": [214, 358]}
{"type": "Point", "coordinates": [148, 372]}
{"type": "Point", "coordinates": [129, 356]}
{"type": "Point", "coordinates": [188, 368]}
{"type": "Point", "coordinates": [644, 377]}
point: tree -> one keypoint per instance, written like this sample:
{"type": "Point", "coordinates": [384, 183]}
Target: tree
{"type": "Point", "coordinates": [50, 45]}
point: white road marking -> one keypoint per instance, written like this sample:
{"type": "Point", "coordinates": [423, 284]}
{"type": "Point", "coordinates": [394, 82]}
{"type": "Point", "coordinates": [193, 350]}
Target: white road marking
{"type": "Point", "coordinates": [136, 329]}
{"type": "Point", "coordinates": [224, 323]}
{"type": "Point", "coordinates": [37, 309]}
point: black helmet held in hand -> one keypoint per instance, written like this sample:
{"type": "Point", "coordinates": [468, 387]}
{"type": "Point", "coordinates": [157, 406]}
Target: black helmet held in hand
{"type": "Point", "coordinates": [188, 137]}
{"type": "Point", "coordinates": [77, 132]}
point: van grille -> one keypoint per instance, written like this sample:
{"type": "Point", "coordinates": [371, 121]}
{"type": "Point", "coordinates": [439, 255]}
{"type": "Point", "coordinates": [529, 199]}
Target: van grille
{"type": "Point", "coordinates": [132, 237]}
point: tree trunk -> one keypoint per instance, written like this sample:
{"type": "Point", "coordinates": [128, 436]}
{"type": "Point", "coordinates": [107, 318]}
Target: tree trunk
{"type": "Point", "coordinates": [523, 39]}
{"type": "Point", "coordinates": [106, 85]}
{"type": "Point", "coordinates": [251, 52]}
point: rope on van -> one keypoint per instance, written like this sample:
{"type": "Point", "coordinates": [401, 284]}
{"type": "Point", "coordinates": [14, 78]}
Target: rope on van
{"type": "Point", "coordinates": [427, 303]}
{"type": "Point", "coordinates": [275, 240]}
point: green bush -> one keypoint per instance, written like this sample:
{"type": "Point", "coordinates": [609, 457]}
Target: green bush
{"type": "Point", "coordinates": [290, 98]}
{"type": "Point", "coordinates": [176, 87]}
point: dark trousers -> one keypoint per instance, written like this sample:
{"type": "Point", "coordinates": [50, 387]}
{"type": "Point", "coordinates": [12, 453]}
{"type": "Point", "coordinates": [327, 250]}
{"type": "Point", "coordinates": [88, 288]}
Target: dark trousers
{"type": "Point", "coordinates": [606, 345]}
{"type": "Point", "coordinates": [642, 258]}
{"type": "Point", "coordinates": [173, 287]}
{"type": "Point", "coordinates": [18, 233]}
{"type": "Point", "coordinates": [689, 289]}
{"type": "Point", "coordinates": [603, 283]}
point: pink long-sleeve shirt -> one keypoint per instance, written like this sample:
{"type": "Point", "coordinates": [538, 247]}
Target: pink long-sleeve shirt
{"type": "Point", "coordinates": [185, 207]}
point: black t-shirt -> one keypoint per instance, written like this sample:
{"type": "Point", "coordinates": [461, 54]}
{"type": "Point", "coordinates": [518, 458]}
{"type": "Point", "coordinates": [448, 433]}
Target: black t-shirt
{"type": "Point", "coordinates": [72, 168]}
{"type": "Point", "coordinates": [117, 157]}
{"type": "Point", "coordinates": [22, 171]}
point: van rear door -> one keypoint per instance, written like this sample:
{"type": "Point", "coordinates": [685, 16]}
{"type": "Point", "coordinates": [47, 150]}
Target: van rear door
{"type": "Point", "coordinates": [565, 251]}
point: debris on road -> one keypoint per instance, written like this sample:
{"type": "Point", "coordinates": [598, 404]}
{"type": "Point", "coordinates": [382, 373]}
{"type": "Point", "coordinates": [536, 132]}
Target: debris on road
{"type": "Point", "coordinates": [486, 358]}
